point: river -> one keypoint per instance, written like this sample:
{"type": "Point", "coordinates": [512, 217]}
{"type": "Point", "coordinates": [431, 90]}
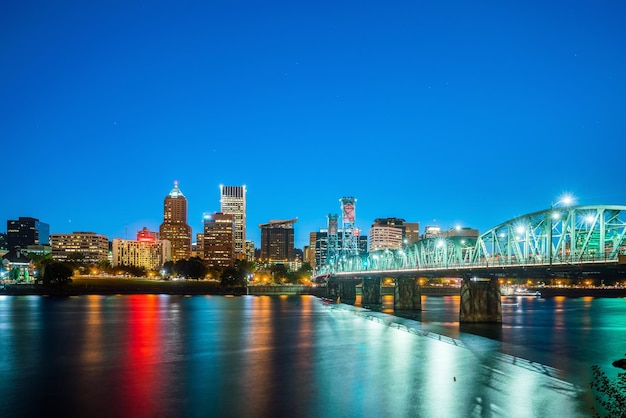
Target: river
{"type": "Point", "coordinates": [295, 356]}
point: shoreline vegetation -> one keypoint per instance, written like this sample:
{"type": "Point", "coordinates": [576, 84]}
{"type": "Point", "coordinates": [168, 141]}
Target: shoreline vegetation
{"type": "Point", "coordinates": [122, 286]}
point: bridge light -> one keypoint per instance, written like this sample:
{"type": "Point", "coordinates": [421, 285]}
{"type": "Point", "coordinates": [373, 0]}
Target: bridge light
{"type": "Point", "coordinates": [589, 219]}
{"type": "Point", "coordinates": [502, 235]}
{"type": "Point", "coordinates": [566, 199]}
{"type": "Point", "coordinates": [440, 243]}
{"type": "Point", "coordinates": [520, 229]}
{"type": "Point", "coordinates": [556, 215]}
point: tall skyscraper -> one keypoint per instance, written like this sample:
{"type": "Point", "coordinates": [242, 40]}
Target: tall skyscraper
{"type": "Point", "coordinates": [218, 246]}
{"type": "Point", "coordinates": [174, 227]}
{"type": "Point", "coordinates": [277, 241]}
{"type": "Point", "coordinates": [233, 201]}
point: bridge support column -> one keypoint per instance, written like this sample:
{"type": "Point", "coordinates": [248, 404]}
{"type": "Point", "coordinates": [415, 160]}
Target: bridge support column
{"type": "Point", "coordinates": [332, 291]}
{"type": "Point", "coordinates": [371, 293]}
{"type": "Point", "coordinates": [347, 291]}
{"type": "Point", "coordinates": [407, 295]}
{"type": "Point", "coordinates": [480, 301]}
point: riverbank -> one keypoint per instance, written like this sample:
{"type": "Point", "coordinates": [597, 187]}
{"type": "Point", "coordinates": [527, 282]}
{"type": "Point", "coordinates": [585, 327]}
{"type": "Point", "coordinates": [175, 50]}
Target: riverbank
{"type": "Point", "coordinates": [121, 286]}
{"type": "Point", "coordinates": [126, 286]}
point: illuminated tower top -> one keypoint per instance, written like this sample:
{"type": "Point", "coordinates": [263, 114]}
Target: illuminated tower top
{"type": "Point", "coordinates": [350, 241]}
{"type": "Point", "coordinates": [175, 192]}
{"type": "Point", "coordinates": [174, 227]}
{"type": "Point", "coordinates": [175, 207]}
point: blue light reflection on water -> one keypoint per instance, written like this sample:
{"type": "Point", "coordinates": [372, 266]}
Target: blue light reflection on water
{"type": "Point", "coordinates": [147, 355]}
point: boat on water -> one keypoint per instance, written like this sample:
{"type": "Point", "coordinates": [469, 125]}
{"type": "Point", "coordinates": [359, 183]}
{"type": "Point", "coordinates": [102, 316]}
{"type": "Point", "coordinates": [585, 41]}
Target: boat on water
{"type": "Point", "coordinates": [515, 291]}
{"type": "Point", "coordinates": [527, 293]}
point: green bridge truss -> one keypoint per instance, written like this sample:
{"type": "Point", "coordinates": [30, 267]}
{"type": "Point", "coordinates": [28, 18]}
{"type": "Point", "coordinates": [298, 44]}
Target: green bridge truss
{"type": "Point", "coordinates": [555, 237]}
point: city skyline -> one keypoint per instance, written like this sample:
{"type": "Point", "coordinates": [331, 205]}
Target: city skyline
{"type": "Point", "coordinates": [445, 113]}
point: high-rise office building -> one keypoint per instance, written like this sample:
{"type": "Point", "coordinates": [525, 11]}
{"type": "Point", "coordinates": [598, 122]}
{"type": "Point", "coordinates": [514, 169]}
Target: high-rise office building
{"type": "Point", "coordinates": [27, 231]}
{"type": "Point", "coordinates": [233, 201]}
{"type": "Point", "coordinates": [89, 247]}
{"type": "Point", "coordinates": [387, 234]}
{"type": "Point", "coordinates": [174, 227]}
{"type": "Point", "coordinates": [277, 241]}
{"type": "Point", "coordinates": [219, 242]}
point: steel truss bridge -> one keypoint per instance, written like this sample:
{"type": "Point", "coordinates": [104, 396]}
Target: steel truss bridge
{"type": "Point", "coordinates": [568, 241]}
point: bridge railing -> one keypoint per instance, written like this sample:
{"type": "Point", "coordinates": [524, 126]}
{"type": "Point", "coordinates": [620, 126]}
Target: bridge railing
{"type": "Point", "coordinates": [483, 263]}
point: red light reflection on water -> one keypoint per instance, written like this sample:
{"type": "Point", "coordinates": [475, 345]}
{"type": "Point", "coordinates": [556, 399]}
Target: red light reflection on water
{"type": "Point", "coordinates": [141, 368]}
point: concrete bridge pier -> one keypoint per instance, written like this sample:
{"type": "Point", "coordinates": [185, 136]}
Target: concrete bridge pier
{"type": "Point", "coordinates": [332, 289]}
{"type": "Point", "coordinates": [371, 293]}
{"type": "Point", "coordinates": [480, 300]}
{"type": "Point", "coordinates": [347, 291]}
{"type": "Point", "coordinates": [407, 295]}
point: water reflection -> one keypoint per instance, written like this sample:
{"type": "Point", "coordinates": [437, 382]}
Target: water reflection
{"type": "Point", "coordinates": [162, 356]}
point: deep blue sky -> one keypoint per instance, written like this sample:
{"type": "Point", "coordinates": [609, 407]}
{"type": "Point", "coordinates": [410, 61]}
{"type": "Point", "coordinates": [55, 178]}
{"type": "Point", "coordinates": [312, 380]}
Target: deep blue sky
{"type": "Point", "coordinates": [438, 112]}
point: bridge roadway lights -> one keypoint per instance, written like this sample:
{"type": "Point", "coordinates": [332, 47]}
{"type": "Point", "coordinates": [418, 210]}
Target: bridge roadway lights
{"type": "Point", "coordinates": [407, 295]}
{"type": "Point", "coordinates": [371, 294]}
{"type": "Point", "coordinates": [480, 300]}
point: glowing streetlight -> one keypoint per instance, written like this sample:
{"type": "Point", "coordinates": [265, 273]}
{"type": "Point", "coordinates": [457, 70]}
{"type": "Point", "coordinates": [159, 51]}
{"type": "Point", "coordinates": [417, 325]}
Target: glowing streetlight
{"type": "Point", "coordinates": [565, 200]}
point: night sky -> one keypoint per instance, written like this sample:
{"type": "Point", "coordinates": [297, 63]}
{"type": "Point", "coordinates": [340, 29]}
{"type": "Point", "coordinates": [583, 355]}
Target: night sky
{"type": "Point", "coordinates": [438, 112]}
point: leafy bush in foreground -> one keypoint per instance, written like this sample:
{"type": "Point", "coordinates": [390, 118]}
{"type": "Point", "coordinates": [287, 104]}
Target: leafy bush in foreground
{"type": "Point", "coordinates": [610, 393]}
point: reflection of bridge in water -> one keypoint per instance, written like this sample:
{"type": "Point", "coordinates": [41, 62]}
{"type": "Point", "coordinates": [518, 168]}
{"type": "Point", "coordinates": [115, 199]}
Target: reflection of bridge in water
{"type": "Point", "coordinates": [575, 242]}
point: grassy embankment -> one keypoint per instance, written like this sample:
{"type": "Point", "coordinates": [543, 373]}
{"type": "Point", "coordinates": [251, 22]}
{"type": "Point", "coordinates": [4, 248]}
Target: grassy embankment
{"type": "Point", "coordinates": [125, 286]}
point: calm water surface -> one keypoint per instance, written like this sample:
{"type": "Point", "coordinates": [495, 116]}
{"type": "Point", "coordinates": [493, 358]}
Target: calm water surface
{"type": "Point", "coordinates": [209, 356]}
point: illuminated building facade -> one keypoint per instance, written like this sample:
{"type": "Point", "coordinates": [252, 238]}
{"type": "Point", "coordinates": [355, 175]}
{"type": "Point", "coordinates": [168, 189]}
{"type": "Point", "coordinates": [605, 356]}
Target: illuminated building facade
{"type": "Point", "coordinates": [150, 255]}
{"type": "Point", "coordinates": [250, 250]}
{"type": "Point", "coordinates": [19, 266]}
{"type": "Point", "coordinates": [277, 241]}
{"type": "Point", "coordinates": [146, 235]}
{"type": "Point", "coordinates": [431, 231]}
{"type": "Point", "coordinates": [174, 227]}
{"type": "Point", "coordinates": [88, 247]}
{"type": "Point", "coordinates": [198, 249]}
{"type": "Point", "coordinates": [219, 240]}
{"type": "Point", "coordinates": [26, 231]}
{"type": "Point", "coordinates": [233, 201]}
{"type": "Point", "coordinates": [387, 234]}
